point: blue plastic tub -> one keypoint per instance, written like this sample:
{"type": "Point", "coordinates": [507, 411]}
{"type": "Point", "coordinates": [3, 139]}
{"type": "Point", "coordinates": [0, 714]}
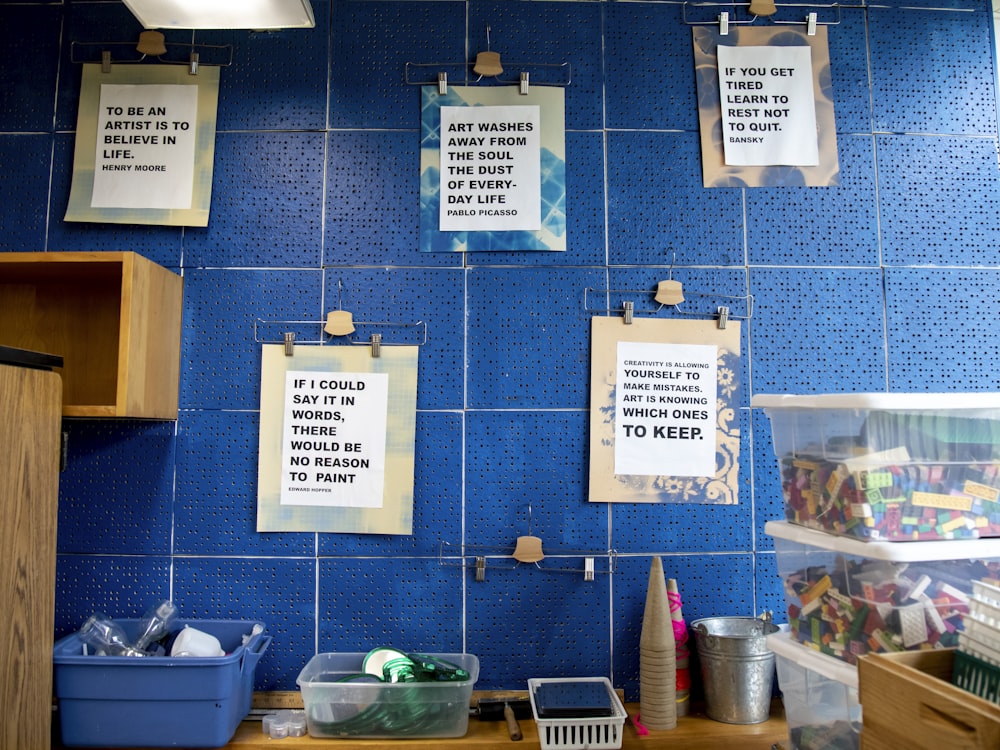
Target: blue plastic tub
{"type": "Point", "coordinates": [157, 701]}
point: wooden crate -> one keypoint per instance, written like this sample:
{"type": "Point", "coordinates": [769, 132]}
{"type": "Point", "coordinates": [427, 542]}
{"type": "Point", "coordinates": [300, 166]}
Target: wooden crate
{"type": "Point", "coordinates": [908, 701]}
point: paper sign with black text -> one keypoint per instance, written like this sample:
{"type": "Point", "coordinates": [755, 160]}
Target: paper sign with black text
{"type": "Point", "coordinates": [665, 409]}
{"type": "Point", "coordinates": [333, 451]}
{"type": "Point", "coordinates": [492, 169]}
{"type": "Point", "coordinates": [768, 107]}
{"type": "Point", "coordinates": [145, 145]}
{"type": "Point", "coordinates": [766, 119]}
{"type": "Point", "coordinates": [337, 433]}
{"type": "Point", "coordinates": [490, 162]}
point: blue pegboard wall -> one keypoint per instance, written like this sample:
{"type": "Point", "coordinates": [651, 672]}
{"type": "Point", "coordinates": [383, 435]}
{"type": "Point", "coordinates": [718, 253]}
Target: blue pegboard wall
{"type": "Point", "coordinates": [817, 331]}
{"type": "Point", "coordinates": [315, 203]}
{"type": "Point", "coordinates": [925, 306]}
{"type": "Point", "coordinates": [923, 175]}
{"type": "Point", "coordinates": [112, 461]}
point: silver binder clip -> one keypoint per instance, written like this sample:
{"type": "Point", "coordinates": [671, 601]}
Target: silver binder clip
{"type": "Point", "coordinates": [588, 569]}
{"type": "Point", "coordinates": [481, 568]}
{"type": "Point", "coordinates": [376, 341]}
{"type": "Point", "coordinates": [442, 83]}
{"type": "Point", "coordinates": [629, 309]}
{"type": "Point", "coordinates": [723, 313]}
{"type": "Point", "coordinates": [289, 344]}
{"type": "Point", "coordinates": [811, 24]}
{"type": "Point", "coordinates": [524, 83]}
{"type": "Point", "coordinates": [724, 24]}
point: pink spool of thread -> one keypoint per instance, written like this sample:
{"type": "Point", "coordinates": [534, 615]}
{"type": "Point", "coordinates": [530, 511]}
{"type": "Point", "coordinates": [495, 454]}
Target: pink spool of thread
{"type": "Point", "coordinates": [681, 641]}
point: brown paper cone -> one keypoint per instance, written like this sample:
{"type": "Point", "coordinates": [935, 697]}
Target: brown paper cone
{"type": "Point", "coordinates": [657, 656]}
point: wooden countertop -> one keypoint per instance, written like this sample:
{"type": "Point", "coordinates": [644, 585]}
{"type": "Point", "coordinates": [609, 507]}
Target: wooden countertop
{"type": "Point", "coordinates": [693, 732]}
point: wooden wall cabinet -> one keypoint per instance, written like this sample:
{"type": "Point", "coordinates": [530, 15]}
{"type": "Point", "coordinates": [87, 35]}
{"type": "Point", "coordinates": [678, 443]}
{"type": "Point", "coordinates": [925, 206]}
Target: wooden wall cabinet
{"type": "Point", "coordinates": [114, 318]}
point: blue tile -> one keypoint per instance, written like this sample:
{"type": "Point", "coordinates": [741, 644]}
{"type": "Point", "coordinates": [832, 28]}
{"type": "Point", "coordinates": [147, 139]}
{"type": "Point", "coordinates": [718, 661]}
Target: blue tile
{"type": "Point", "coordinates": [371, 44]}
{"type": "Point", "coordinates": [528, 622]}
{"type": "Point", "coordinates": [116, 494]}
{"type": "Point", "coordinates": [527, 475]}
{"type": "Point", "coordinates": [403, 297]}
{"type": "Point", "coordinates": [24, 191]}
{"type": "Point", "coordinates": [225, 324]}
{"type": "Point", "coordinates": [929, 74]}
{"type": "Point", "coordinates": [372, 216]}
{"type": "Point", "coordinates": [160, 244]}
{"type": "Point", "coordinates": [939, 200]}
{"type": "Point", "coordinates": [216, 508]}
{"type": "Point", "coordinates": [658, 209]}
{"type": "Point", "coordinates": [848, 43]}
{"type": "Point", "coordinates": [280, 593]}
{"type": "Point", "coordinates": [770, 590]}
{"type": "Point", "coordinates": [404, 603]}
{"type": "Point", "coordinates": [267, 203]}
{"type": "Point", "coordinates": [28, 33]}
{"type": "Point", "coordinates": [534, 315]}
{"type": "Point", "coordinates": [940, 329]}
{"type": "Point", "coordinates": [572, 37]}
{"type": "Point", "coordinates": [89, 29]}
{"type": "Point", "coordinates": [817, 330]}
{"type": "Point", "coordinates": [437, 497]}
{"type": "Point", "coordinates": [768, 503]}
{"type": "Point", "coordinates": [650, 80]}
{"type": "Point", "coordinates": [277, 79]}
{"type": "Point", "coordinates": [120, 586]}
{"type": "Point", "coordinates": [819, 225]}
{"type": "Point", "coordinates": [682, 527]}
{"type": "Point", "coordinates": [976, 5]}
{"type": "Point", "coordinates": [585, 244]}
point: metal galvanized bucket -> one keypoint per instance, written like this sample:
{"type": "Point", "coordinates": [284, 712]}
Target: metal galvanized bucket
{"type": "Point", "coordinates": [737, 668]}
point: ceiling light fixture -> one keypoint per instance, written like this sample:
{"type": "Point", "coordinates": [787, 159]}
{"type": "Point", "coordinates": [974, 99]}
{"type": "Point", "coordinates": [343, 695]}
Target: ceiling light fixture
{"type": "Point", "coordinates": [223, 14]}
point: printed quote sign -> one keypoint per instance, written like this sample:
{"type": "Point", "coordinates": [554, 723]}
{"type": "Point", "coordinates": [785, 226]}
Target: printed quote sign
{"type": "Point", "coordinates": [492, 169]}
{"type": "Point", "coordinates": [490, 162]}
{"type": "Point", "coordinates": [665, 410]}
{"type": "Point", "coordinates": [334, 439]}
{"type": "Point", "coordinates": [768, 106]}
{"type": "Point", "coordinates": [145, 146]}
{"type": "Point", "coordinates": [664, 414]}
{"type": "Point", "coordinates": [337, 431]}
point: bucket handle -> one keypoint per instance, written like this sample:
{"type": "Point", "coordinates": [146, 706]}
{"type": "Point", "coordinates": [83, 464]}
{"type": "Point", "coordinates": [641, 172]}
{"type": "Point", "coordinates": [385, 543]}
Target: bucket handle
{"type": "Point", "coordinates": [761, 626]}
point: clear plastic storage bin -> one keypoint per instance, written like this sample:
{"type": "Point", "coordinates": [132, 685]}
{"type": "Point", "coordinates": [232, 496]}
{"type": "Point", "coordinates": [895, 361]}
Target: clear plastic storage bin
{"type": "Point", "coordinates": [846, 598]}
{"type": "Point", "coordinates": [820, 695]}
{"type": "Point", "coordinates": [889, 466]}
{"type": "Point", "coordinates": [342, 701]}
